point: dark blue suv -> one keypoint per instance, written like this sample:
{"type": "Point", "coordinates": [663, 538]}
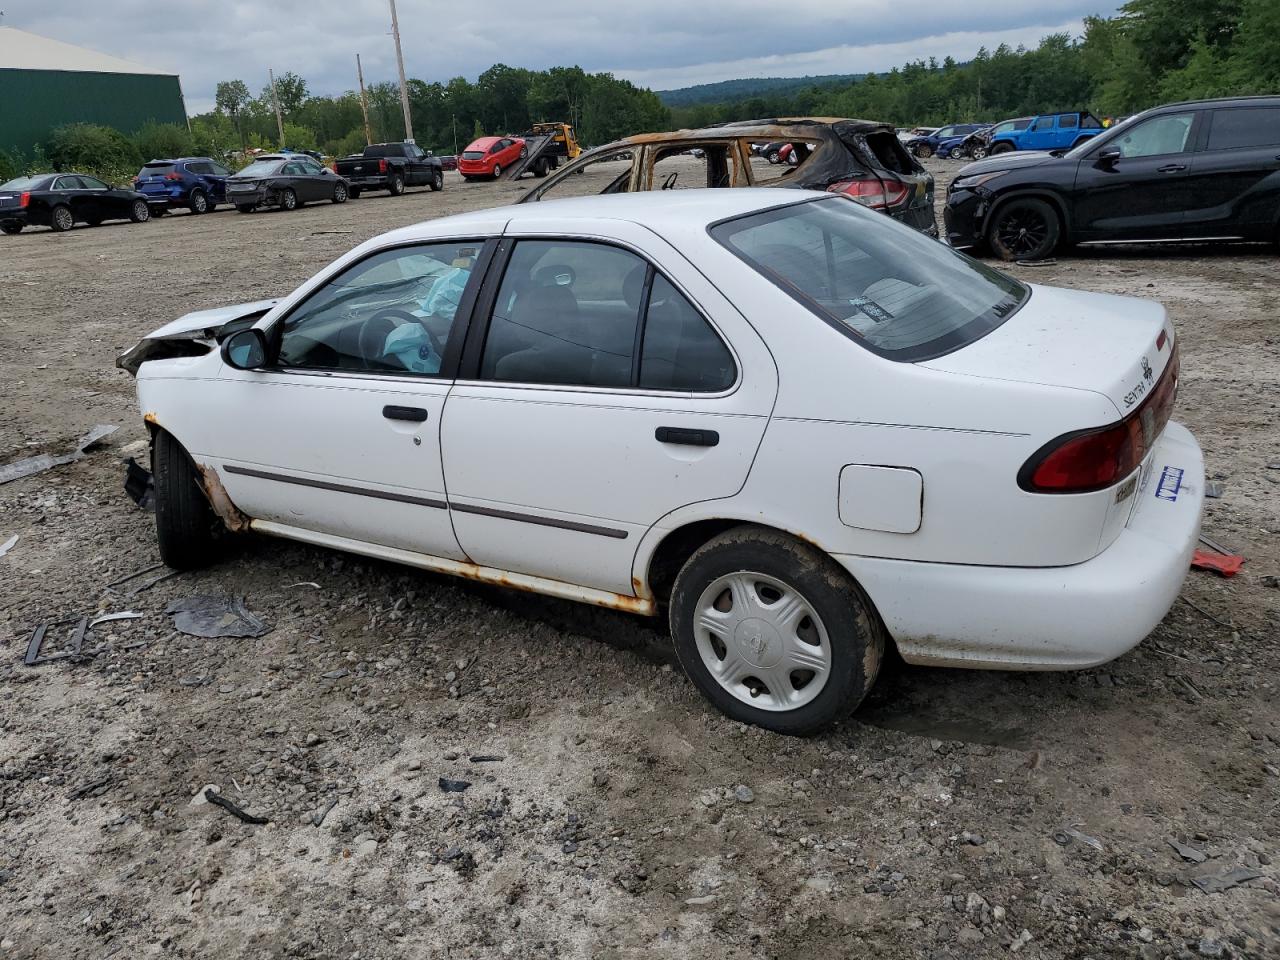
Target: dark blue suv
{"type": "Point", "coordinates": [197, 184]}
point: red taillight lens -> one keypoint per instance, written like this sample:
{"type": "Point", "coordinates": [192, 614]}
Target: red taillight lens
{"type": "Point", "coordinates": [874, 193]}
{"type": "Point", "coordinates": [173, 176]}
{"type": "Point", "coordinates": [1091, 460]}
{"type": "Point", "coordinates": [24, 200]}
{"type": "Point", "coordinates": [382, 165]}
{"type": "Point", "coordinates": [334, 166]}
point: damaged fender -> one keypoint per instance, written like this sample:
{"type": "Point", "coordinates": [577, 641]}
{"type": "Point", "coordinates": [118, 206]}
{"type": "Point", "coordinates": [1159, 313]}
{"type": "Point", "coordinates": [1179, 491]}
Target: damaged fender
{"type": "Point", "coordinates": [193, 334]}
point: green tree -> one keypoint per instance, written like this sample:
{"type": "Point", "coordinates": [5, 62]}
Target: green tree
{"type": "Point", "coordinates": [231, 98]}
{"type": "Point", "coordinates": [156, 141]}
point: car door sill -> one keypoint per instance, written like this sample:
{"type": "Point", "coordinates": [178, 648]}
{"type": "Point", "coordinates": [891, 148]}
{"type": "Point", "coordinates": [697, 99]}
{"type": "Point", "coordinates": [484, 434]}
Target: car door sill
{"type": "Point", "coordinates": [1108, 243]}
{"type": "Point", "coordinates": [461, 568]}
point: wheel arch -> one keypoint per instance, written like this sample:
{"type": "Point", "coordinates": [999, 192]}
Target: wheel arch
{"type": "Point", "coordinates": [1034, 193]}
{"type": "Point", "coordinates": [210, 483]}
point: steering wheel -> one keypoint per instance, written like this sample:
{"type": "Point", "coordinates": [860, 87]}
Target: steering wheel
{"type": "Point", "coordinates": [371, 337]}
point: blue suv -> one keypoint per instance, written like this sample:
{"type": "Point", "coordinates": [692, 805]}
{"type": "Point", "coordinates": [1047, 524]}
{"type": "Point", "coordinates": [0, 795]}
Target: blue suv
{"type": "Point", "coordinates": [197, 184]}
{"type": "Point", "coordinates": [1050, 131]}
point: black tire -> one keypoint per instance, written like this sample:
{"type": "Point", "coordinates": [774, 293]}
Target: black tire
{"type": "Point", "coordinates": [540, 169]}
{"type": "Point", "coordinates": [61, 218]}
{"type": "Point", "coordinates": [922, 150]}
{"type": "Point", "coordinates": [159, 212]}
{"type": "Point", "coordinates": [773, 157]}
{"type": "Point", "coordinates": [1024, 228]}
{"type": "Point", "coordinates": [288, 199]}
{"type": "Point", "coordinates": [1002, 148]}
{"type": "Point", "coordinates": [353, 193]}
{"type": "Point", "coordinates": [497, 171]}
{"type": "Point", "coordinates": [340, 193]}
{"type": "Point", "coordinates": [198, 202]}
{"type": "Point", "coordinates": [979, 153]}
{"type": "Point", "coordinates": [437, 181]}
{"type": "Point", "coordinates": [11, 228]}
{"type": "Point", "coordinates": [855, 635]}
{"type": "Point", "coordinates": [396, 186]}
{"type": "Point", "coordinates": [187, 528]}
{"type": "Point", "coordinates": [246, 207]}
{"type": "Point", "coordinates": [139, 212]}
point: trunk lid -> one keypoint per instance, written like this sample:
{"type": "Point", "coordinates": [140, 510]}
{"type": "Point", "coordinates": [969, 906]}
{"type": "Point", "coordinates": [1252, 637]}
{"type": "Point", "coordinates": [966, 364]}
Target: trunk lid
{"type": "Point", "coordinates": [1115, 346]}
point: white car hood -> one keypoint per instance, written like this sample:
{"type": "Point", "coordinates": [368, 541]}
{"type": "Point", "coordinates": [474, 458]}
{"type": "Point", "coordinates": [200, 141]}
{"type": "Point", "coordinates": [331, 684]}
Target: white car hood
{"type": "Point", "coordinates": [1067, 338]}
{"type": "Point", "coordinates": [209, 319]}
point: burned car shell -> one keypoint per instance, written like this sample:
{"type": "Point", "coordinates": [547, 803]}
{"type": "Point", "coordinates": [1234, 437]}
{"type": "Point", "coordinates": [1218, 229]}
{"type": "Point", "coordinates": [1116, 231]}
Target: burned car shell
{"type": "Point", "coordinates": [840, 152]}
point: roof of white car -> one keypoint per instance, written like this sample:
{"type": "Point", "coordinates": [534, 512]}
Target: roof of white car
{"type": "Point", "coordinates": [656, 209]}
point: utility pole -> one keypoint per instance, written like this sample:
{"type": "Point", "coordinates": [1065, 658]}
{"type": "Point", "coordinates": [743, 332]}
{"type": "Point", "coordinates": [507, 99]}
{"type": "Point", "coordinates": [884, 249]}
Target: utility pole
{"type": "Point", "coordinates": [455, 134]}
{"type": "Point", "coordinates": [276, 101]}
{"type": "Point", "coordinates": [404, 89]}
{"type": "Point", "coordinates": [364, 103]}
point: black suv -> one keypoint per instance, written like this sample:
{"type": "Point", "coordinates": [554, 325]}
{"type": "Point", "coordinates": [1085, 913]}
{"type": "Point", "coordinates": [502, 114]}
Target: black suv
{"type": "Point", "coordinates": [1203, 170]}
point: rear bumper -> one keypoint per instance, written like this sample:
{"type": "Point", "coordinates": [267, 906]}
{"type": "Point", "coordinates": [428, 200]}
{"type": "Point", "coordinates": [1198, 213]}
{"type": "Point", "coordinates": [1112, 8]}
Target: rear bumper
{"type": "Point", "coordinates": [378, 181]}
{"type": "Point", "coordinates": [1052, 618]}
{"type": "Point", "coordinates": [21, 215]}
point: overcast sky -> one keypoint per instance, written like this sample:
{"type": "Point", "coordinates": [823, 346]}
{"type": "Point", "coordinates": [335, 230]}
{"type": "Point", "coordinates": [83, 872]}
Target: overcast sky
{"type": "Point", "coordinates": [658, 43]}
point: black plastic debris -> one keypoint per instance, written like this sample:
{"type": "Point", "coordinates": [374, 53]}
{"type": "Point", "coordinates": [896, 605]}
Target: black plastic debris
{"type": "Point", "coordinates": [140, 485]}
{"type": "Point", "coordinates": [1190, 854]}
{"type": "Point", "coordinates": [243, 815]}
{"type": "Point", "coordinates": [453, 786]}
{"type": "Point", "coordinates": [1220, 882]}
{"type": "Point", "coordinates": [211, 617]}
{"type": "Point", "coordinates": [487, 758]}
{"type": "Point", "coordinates": [35, 647]}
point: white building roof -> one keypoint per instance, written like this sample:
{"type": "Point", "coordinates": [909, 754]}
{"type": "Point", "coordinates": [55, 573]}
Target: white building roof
{"type": "Point", "coordinates": [20, 50]}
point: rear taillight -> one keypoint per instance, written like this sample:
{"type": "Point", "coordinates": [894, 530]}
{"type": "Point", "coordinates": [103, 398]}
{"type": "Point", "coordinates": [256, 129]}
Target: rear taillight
{"type": "Point", "coordinates": [1089, 460]}
{"type": "Point", "coordinates": [334, 166]}
{"type": "Point", "coordinates": [874, 193]}
{"type": "Point", "coordinates": [382, 165]}
{"type": "Point", "coordinates": [173, 176]}
{"type": "Point", "coordinates": [24, 200]}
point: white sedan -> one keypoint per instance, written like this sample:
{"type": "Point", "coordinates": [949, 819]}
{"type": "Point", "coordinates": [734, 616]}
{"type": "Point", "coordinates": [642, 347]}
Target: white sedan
{"type": "Point", "coordinates": [800, 428]}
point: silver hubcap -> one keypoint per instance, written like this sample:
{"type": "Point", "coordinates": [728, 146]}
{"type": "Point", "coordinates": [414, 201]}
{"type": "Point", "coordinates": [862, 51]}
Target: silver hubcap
{"type": "Point", "coordinates": [762, 641]}
{"type": "Point", "coordinates": [199, 202]}
{"type": "Point", "coordinates": [142, 211]}
{"type": "Point", "coordinates": [289, 200]}
{"type": "Point", "coordinates": [64, 219]}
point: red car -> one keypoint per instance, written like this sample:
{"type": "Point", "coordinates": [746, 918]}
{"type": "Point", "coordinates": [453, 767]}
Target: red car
{"type": "Point", "coordinates": [489, 156]}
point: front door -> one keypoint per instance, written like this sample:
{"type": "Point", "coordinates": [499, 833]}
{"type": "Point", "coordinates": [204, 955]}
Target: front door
{"type": "Point", "coordinates": [341, 435]}
{"type": "Point", "coordinates": [1144, 193]}
{"type": "Point", "coordinates": [603, 396]}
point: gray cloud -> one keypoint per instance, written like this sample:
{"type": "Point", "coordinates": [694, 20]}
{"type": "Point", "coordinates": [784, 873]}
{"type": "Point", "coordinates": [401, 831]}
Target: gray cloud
{"type": "Point", "coordinates": [660, 42]}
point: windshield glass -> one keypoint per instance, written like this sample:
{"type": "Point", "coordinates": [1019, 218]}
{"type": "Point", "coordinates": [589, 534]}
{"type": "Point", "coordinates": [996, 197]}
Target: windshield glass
{"type": "Point", "coordinates": [24, 183]}
{"type": "Point", "coordinates": [895, 291]}
{"type": "Point", "coordinates": [472, 154]}
{"type": "Point", "coordinates": [260, 168]}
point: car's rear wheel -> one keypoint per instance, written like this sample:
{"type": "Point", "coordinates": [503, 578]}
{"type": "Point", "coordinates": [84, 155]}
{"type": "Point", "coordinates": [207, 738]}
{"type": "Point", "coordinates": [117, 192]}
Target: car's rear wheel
{"type": "Point", "coordinates": [186, 526]}
{"type": "Point", "coordinates": [396, 186]}
{"type": "Point", "coordinates": [773, 632]}
{"type": "Point", "coordinates": [773, 158]}
{"type": "Point", "coordinates": [246, 207]}
{"type": "Point", "coordinates": [62, 220]}
{"type": "Point", "coordinates": [1002, 148]}
{"type": "Point", "coordinates": [340, 193]}
{"type": "Point", "coordinates": [979, 153]}
{"type": "Point", "coordinates": [1024, 229]}
{"type": "Point", "coordinates": [497, 170]}
{"type": "Point", "coordinates": [288, 199]}
{"type": "Point", "coordinates": [199, 203]}
{"type": "Point", "coordinates": [11, 228]}
{"type": "Point", "coordinates": [139, 212]}
{"type": "Point", "coordinates": [540, 169]}
{"type": "Point", "coordinates": [437, 181]}
{"type": "Point", "coordinates": [923, 151]}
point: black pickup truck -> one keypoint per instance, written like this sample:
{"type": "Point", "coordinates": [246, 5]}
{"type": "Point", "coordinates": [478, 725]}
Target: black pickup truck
{"type": "Point", "coordinates": [391, 167]}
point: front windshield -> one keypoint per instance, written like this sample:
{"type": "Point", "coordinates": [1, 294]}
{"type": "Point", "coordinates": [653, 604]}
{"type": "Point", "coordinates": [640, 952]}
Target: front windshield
{"type": "Point", "coordinates": [24, 183]}
{"type": "Point", "coordinates": [260, 168]}
{"type": "Point", "coordinates": [1080, 149]}
{"type": "Point", "coordinates": [888, 287]}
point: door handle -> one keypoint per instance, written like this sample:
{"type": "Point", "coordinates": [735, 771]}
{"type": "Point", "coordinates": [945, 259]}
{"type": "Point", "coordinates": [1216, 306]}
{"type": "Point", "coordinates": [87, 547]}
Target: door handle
{"type": "Point", "coordinates": [1171, 168]}
{"type": "Point", "coordinates": [687, 437]}
{"type": "Point", "coordinates": [412, 414]}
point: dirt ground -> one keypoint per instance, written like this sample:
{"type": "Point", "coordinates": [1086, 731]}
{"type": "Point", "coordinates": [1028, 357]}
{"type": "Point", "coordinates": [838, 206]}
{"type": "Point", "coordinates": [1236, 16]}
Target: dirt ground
{"type": "Point", "coordinates": [958, 814]}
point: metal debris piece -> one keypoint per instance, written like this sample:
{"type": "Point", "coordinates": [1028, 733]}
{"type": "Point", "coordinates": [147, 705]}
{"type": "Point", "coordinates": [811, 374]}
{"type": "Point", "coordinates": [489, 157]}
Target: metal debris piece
{"type": "Point", "coordinates": [29, 466]}
{"type": "Point", "coordinates": [85, 789]}
{"type": "Point", "coordinates": [1214, 545]}
{"type": "Point", "coordinates": [8, 545]}
{"type": "Point", "coordinates": [1047, 262]}
{"type": "Point", "coordinates": [317, 818]}
{"type": "Point", "coordinates": [1220, 882]}
{"type": "Point", "coordinates": [453, 786]}
{"type": "Point", "coordinates": [1067, 832]}
{"type": "Point", "coordinates": [140, 485]}
{"type": "Point", "coordinates": [33, 658]}
{"type": "Point", "coordinates": [137, 573]}
{"type": "Point", "coordinates": [219, 800]}
{"type": "Point", "coordinates": [305, 583]}
{"type": "Point", "coordinates": [109, 617]}
{"type": "Point", "coordinates": [1188, 853]}
{"type": "Point", "coordinates": [211, 617]}
{"type": "Point", "coordinates": [486, 758]}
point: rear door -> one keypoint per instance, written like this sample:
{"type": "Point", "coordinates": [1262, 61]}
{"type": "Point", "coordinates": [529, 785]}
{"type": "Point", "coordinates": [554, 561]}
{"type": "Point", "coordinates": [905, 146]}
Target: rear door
{"type": "Point", "coordinates": [1235, 180]}
{"type": "Point", "coordinates": [598, 393]}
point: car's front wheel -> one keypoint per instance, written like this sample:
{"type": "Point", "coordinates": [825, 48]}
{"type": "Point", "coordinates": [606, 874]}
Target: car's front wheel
{"type": "Point", "coordinates": [199, 202]}
{"type": "Point", "coordinates": [139, 212]}
{"type": "Point", "coordinates": [773, 632]}
{"type": "Point", "coordinates": [1024, 229]}
{"type": "Point", "coordinates": [186, 526]}
{"type": "Point", "coordinates": [437, 181]}
{"type": "Point", "coordinates": [340, 193]}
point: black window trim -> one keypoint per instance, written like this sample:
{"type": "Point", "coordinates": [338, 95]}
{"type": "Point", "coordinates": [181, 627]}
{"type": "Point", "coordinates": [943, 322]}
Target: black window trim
{"type": "Point", "coordinates": [462, 320]}
{"type": "Point", "coordinates": [814, 308]}
{"type": "Point", "coordinates": [482, 315]}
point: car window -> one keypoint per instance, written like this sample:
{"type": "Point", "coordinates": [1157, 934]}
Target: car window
{"type": "Point", "coordinates": [1155, 137]}
{"type": "Point", "coordinates": [92, 183]}
{"type": "Point", "coordinates": [887, 287]}
{"type": "Point", "coordinates": [218, 170]}
{"type": "Point", "coordinates": [680, 351]}
{"type": "Point", "coordinates": [609, 173]}
{"type": "Point", "coordinates": [67, 183]}
{"type": "Point", "coordinates": [1090, 122]}
{"type": "Point", "coordinates": [688, 166]}
{"type": "Point", "coordinates": [26, 183]}
{"type": "Point", "coordinates": [566, 313]}
{"type": "Point", "coordinates": [1245, 127]}
{"type": "Point", "coordinates": [155, 169]}
{"type": "Point", "coordinates": [309, 167]}
{"type": "Point", "coordinates": [1069, 120]}
{"type": "Point", "coordinates": [391, 313]}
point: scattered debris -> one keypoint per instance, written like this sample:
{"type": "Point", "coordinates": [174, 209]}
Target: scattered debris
{"type": "Point", "coordinates": [453, 786]}
{"type": "Point", "coordinates": [137, 573]}
{"type": "Point", "coordinates": [47, 461]}
{"type": "Point", "coordinates": [210, 616]}
{"type": "Point", "coordinates": [1188, 853]}
{"type": "Point", "coordinates": [219, 800]}
{"type": "Point", "coordinates": [109, 617]}
{"type": "Point", "coordinates": [1047, 262]}
{"type": "Point", "coordinates": [305, 583]}
{"type": "Point", "coordinates": [140, 485]}
{"type": "Point", "coordinates": [1270, 580]}
{"type": "Point", "coordinates": [33, 658]}
{"type": "Point", "coordinates": [317, 818]}
{"type": "Point", "coordinates": [1220, 882]}
{"type": "Point", "coordinates": [1068, 832]}
{"type": "Point", "coordinates": [1227, 564]}
{"type": "Point", "coordinates": [1214, 489]}
{"type": "Point", "coordinates": [1199, 609]}
{"type": "Point", "coordinates": [8, 545]}
{"type": "Point", "coordinates": [96, 787]}
{"type": "Point", "coordinates": [486, 758]}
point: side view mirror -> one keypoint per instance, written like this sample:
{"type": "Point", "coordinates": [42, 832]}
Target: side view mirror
{"type": "Point", "coordinates": [1109, 156]}
{"type": "Point", "coordinates": [245, 349]}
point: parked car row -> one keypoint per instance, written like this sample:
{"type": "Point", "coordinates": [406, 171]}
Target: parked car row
{"type": "Point", "coordinates": [1050, 131]}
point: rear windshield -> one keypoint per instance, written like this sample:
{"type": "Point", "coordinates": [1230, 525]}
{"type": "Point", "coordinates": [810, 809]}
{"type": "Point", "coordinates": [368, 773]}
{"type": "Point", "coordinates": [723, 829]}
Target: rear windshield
{"type": "Point", "coordinates": [25, 183]}
{"type": "Point", "coordinates": [260, 168]}
{"type": "Point", "coordinates": [890, 288]}
{"type": "Point", "coordinates": [472, 154]}
{"type": "Point", "coordinates": [890, 153]}
{"type": "Point", "coordinates": [155, 169]}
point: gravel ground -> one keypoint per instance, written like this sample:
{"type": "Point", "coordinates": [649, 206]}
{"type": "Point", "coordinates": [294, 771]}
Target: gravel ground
{"type": "Point", "coordinates": [958, 814]}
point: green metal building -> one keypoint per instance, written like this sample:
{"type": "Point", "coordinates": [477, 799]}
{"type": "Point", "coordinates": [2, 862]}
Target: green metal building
{"type": "Point", "coordinates": [46, 83]}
